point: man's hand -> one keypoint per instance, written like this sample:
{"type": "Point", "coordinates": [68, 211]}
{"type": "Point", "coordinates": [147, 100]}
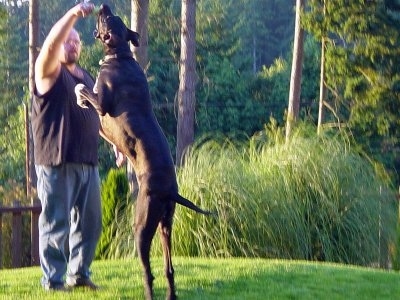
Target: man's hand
{"type": "Point", "coordinates": [80, 98]}
{"type": "Point", "coordinates": [83, 9]}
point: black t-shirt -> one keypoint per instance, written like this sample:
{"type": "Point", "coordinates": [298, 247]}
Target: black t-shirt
{"type": "Point", "coordinates": [63, 131]}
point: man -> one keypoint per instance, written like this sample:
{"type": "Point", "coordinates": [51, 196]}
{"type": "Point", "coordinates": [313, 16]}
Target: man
{"type": "Point", "coordinates": [66, 157]}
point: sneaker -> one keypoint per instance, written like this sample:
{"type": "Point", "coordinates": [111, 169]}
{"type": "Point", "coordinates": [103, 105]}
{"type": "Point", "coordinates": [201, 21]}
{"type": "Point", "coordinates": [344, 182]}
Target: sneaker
{"type": "Point", "coordinates": [81, 282]}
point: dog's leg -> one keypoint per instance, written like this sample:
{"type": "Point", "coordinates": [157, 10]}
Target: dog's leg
{"type": "Point", "coordinates": [147, 217]}
{"type": "Point", "coordinates": [165, 230]}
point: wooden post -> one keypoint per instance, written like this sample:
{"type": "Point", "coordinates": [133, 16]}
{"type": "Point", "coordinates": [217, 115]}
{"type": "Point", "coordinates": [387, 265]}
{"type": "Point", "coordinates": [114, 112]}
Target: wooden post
{"type": "Point", "coordinates": [16, 237]}
{"type": "Point", "coordinates": [34, 233]}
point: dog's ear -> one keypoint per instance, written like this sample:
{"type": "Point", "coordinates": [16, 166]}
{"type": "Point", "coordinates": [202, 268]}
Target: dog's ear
{"type": "Point", "coordinates": [133, 37]}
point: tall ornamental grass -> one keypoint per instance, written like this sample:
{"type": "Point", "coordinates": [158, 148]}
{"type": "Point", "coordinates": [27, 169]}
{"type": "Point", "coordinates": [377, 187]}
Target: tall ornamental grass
{"type": "Point", "coordinates": [313, 198]}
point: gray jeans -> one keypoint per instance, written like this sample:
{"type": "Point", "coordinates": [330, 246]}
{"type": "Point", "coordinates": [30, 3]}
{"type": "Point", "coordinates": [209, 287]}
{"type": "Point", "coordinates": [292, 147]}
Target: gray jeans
{"type": "Point", "coordinates": [71, 212]}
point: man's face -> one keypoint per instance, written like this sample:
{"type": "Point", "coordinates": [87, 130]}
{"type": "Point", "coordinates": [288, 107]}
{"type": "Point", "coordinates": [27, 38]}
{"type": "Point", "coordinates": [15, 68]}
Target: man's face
{"type": "Point", "coordinates": [71, 48]}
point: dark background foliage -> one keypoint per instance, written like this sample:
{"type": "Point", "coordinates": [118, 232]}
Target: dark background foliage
{"type": "Point", "coordinates": [243, 66]}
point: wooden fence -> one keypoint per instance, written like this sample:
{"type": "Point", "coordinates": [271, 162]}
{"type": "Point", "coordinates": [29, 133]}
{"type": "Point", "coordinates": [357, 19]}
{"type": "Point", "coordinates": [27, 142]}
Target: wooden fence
{"type": "Point", "coordinates": [16, 212]}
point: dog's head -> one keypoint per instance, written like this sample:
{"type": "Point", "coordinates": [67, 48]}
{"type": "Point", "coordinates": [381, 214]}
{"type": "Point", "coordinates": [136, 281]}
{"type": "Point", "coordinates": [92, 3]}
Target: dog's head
{"type": "Point", "coordinates": [112, 32]}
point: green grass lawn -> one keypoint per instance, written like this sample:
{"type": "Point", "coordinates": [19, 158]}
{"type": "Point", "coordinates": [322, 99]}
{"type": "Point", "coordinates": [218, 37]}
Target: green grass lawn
{"type": "Point", "coordinates": [200, 278]}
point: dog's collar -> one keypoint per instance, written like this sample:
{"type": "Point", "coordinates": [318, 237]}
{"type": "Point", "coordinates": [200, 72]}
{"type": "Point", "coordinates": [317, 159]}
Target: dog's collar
{"type": "Point", "coordinates": [115, 56]}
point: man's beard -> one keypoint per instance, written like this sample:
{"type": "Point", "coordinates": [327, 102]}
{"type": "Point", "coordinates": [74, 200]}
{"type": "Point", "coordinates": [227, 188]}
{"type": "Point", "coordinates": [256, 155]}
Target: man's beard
{"type": "Point", "coordinates": [71, 58]}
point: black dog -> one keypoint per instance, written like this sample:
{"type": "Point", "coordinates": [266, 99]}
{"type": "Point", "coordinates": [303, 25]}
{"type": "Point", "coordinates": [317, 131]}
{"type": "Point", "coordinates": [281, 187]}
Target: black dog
{"type": "Point", "coordinates": [122, 100]}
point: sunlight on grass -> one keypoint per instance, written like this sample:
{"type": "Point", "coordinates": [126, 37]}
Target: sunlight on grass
{"type": "Point", "coordinates": [201, 278]}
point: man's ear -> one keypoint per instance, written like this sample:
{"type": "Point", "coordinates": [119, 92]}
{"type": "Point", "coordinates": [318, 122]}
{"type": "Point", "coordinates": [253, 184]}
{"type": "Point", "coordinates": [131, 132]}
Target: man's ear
{"type": "Point", "coordinates": [133, 37]}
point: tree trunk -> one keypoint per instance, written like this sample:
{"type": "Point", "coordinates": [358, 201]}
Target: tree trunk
{"type": "Point", "coordinates": [295, 78]}
{"type": "Point", "coordinates": [322, 89]}
{"type": "Point", "coordinates": [33, 53]}
{"type": "Point", "coordinates": [187, 80]}
{"type": "Point", "coordinates": [139, 18]}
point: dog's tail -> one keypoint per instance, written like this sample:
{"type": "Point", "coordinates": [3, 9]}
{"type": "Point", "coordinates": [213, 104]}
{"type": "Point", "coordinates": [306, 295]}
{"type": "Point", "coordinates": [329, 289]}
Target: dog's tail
{"type": "Point", "coordinates": [189, 204]}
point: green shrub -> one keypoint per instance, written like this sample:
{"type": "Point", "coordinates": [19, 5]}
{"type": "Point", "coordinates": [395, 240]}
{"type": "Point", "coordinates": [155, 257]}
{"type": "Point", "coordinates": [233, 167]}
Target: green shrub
{"type": "Point", "coordinates": [396, 247]}
{"type": "Point", "coordinates": [114, 196]}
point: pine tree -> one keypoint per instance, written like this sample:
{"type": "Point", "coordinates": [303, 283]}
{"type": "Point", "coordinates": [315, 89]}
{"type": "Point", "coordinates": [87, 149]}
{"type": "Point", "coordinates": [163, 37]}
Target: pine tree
{"type": "Point", "coordinates": [362, 70]}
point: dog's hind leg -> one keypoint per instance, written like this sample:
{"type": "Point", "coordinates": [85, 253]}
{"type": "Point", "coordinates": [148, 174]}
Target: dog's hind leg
{"type": "Point", "coordinates": [165, 230]}
{"type": "Point", "coordinates": [147, 217]}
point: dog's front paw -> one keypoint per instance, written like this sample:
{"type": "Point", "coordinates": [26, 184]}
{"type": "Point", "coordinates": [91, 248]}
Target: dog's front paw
{"type": "Point", "coordinates": [80, 98]}
{"type": "Point", "coordinates": [95, 90]}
